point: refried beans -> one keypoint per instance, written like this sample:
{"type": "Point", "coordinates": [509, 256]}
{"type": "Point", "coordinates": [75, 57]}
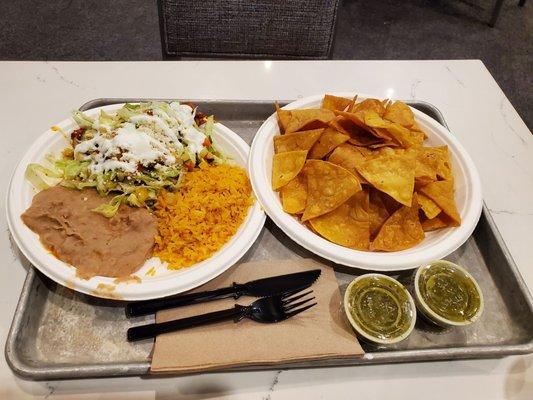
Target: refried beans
{"type": "Point", "coordinates": [95, 245]}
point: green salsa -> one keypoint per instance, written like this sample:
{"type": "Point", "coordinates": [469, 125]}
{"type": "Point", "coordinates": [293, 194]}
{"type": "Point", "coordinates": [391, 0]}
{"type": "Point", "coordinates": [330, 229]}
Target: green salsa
{"type": "Point", "coordinates": [380, 307]}
{"type": "Point", "coordinates": [449, 292]}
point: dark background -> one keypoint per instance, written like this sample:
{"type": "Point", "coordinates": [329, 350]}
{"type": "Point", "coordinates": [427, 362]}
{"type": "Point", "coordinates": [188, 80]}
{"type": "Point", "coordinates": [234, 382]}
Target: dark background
{"type": "Point", "coordinates": [366, 29]}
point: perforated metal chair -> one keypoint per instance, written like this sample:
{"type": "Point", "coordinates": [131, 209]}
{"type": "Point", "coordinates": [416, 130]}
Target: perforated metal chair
{"type": "Point", "coordinates": [247, 28]}
{"type": "Point", "coordinates": [497, 8]}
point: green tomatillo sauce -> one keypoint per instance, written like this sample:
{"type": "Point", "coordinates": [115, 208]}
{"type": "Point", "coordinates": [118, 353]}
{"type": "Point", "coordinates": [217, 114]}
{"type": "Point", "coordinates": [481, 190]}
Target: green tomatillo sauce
{"type": "Point", "coordinates": [380, 307]}
{"type": "Point", "coordinates": [449, 292]}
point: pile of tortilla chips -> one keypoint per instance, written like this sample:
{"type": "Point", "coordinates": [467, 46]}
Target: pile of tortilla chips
{"type": "Point", "coordinates": [358, 174]}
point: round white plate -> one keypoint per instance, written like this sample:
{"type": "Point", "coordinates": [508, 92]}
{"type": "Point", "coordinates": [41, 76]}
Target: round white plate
{"type": "Point", "coordinates": [164, 282]}
{"type": "Point", "coordinates": [436, 245]}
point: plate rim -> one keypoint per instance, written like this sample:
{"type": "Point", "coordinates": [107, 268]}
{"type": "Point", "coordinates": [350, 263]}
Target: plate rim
{"type": "Point", "coordinates": [377, 261]}
{"type": "Point", "coordinates": [250, 228]}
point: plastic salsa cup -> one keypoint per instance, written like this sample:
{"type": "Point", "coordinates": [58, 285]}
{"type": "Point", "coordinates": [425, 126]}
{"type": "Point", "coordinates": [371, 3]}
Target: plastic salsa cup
{"type": "Point", "coordinates": [379, 308]}
{"type": "Point", "coordinates": [447, 294]}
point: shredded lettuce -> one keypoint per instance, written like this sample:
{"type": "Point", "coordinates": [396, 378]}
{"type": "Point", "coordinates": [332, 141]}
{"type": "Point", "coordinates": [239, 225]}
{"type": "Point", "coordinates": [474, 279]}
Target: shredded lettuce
{"type": "Point", "coordinates": [110, 209]}
{"type": "Point", "coordinates": [133, 200]}
{"type": "Point", "coordinates": [42, 177]}
{"type": "Point", "coordinates": [80, 185]}
{"type": "Point", "coordinates": [155, 183]}
{"type": "Point", "coordinates": [113, 121]}
{"type": "Point", "coordinates": [82, 120]}
{"type": "Point", "coordinates": [140, 195]}
{"type": "Point", "coordinates": [128, 111]}
{"type": "Point", "coordinates": [72, 168]}
{"type": "Point", "coordinates": [208, 126]}
{"type": "Point", "coordinates": [171, 173]}
{"type": "Point", "coordinates": [140, 188]}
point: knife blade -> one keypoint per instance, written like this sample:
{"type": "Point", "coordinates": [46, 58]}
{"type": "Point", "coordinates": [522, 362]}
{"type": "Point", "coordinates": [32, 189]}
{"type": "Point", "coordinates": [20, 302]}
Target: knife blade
{"type": "Point", "coordinates": [257, 288]}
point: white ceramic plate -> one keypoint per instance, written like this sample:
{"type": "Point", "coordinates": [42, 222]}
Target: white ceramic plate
{"type": "Point", "coordinates": [165, 282]}
{"type": "Point", "coordinates": [436, 245]}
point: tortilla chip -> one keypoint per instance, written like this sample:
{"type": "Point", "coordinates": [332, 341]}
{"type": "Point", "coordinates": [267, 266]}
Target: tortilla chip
{"type": "Point", "coordinates": [358, 135]}
{"type": "Point", "coordinates": [284, 116]}
{"type": "Point", "coordinates": [309, 118]}
{"type": "Point", "coordinates": [328, 186]}
{"type": "Point", "coordinates": [390, 204]}
{"type": "Point", "coordinates": [303, 140]}
{"type": "Point", "coordinates": [442, 193]}
{"type": "Point", "coordinates": [363, 209]}
{"type": "Point", "coordinates": [416, 128]}
{"type": "Point", "coordinates": [366, 152]}
{"type": "Point", "coordinates": [433, 224]}
{"type": "Point", "coordinates": [377, 212]}
{"type": "Point", "coordinates": [294, 195]}
{"type": "Point", "coordinates": [357, 119]}
{"type": "Point", "coordinates": [444, 168]}
{"type": "Point", "coordinates": [348, 156]}
{"type": "Point", "coordinates": [384, 135]}
{"type": "Point", "coordinates": [331, 102]}
{"type": "Point", "coordinates": [399, 133]}
{"type": "Point", "coordinates": [352, 104]}
{"type": "Point", "coordinates": [419, 136]}
{"type": "Point", "coordinates": [383, 144]}
{"type": "Point", "coordinates": [433, 162]}
{"type": "Point", "coordinates": [427, 163]}
{"type": "Point", "coordinates": [338, 123]}
{"type": "Point", "coordinates": [400, 231]}
{"type": "Point", "coordinates": [369, 105]}
{"type": "Point", "coordinates": [360, 205]}
{"type": "Point", "coordinates": [408, 188]}
{"type": "Point", "coordinates": [430, 208]}
{"type": "Point", "coordinates": [327, 142]}
{"type": "Point", "coordinates": [421, 182]}
{"type": "Point", "coordinates": [285, 166]}
{"type": "Point", "coordinates": [393, 174]}
{"type": "Point", "coordinates": [347, 225]}
{"type": "Point", "coordinates": [400, 113]}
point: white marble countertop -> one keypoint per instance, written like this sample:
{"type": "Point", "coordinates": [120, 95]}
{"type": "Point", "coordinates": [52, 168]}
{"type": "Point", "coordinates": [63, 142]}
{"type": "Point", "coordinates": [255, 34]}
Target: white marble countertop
{"type": "Point", "coordinates": [35, 95]}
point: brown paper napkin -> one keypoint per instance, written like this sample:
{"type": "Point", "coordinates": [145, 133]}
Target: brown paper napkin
{"type": "Point", "coordinates": [316, 334]}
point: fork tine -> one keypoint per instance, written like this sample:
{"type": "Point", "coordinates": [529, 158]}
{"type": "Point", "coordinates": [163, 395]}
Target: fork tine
{"type": "Point", "coordinates": [289, 307]}
{"type": "Point", "coordinates": [292, 314]}
{"type": "Point", "coordinates": [292, 299]}
{"type": "Point", "coordinates": [293, 292]}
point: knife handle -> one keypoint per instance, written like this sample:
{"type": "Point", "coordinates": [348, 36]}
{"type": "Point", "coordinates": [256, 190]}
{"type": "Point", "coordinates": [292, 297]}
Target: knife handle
{"type": "Point", "coordinates": [151, 330]}
{"type": "Point", "coordinates": [146, 307]}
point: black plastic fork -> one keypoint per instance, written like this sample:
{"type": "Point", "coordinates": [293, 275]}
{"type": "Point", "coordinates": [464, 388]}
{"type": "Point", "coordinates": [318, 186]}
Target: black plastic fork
{"type": "Point", "coordinates": [266, 310]}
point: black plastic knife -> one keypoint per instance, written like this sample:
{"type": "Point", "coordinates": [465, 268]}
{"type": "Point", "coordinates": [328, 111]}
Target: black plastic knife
{"type": "Point", "coordinates": [258, 288]}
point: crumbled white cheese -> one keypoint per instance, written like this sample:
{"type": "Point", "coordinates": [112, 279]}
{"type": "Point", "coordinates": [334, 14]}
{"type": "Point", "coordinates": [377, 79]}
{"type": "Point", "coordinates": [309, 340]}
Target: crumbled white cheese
{"type": "Point", "coordinates": [194, 138]}
{"type": "Point", "coordinates": [101, 126]}
{"type": "Point", "coordinates": [147, 140]}
{"type": "Point", "coordinates": [184, 113]}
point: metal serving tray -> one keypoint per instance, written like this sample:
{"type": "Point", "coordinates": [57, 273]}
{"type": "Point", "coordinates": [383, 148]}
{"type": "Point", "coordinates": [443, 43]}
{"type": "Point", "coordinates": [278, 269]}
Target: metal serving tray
{"type": "Point", "coordinates": [60, 334]}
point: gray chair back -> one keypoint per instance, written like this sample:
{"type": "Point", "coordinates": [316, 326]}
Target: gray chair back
{"type": "Point", "coordinates": [248, 28]}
